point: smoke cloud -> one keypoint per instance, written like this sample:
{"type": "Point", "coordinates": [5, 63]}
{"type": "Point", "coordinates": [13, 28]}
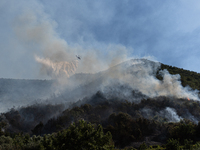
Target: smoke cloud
{"type": "Point", "coordinates": [170, 114]}
{"type": "Point", "coordinates": [140, 75]}
{"type": "Point", "coordinates": [36, 34]}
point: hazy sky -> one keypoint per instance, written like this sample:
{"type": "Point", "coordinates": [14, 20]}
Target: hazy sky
{"type": "Point", "coordinates": [167, 30]}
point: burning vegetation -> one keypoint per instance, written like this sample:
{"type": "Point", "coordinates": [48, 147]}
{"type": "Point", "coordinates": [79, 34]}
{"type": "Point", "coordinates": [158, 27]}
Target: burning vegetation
{"type": "Point", "coordinates": [130, 115]}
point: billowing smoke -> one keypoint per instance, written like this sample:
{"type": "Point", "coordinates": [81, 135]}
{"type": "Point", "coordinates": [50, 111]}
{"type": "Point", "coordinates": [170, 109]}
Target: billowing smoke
{"type": "Point", "coordinates": [170, 114]}
{"type": "Point", "coordinates": [134, 79]}
{"type": "Point", "coordinates": [36, 29]}
{"type": "Point", "coordinates": [140, 75]}
{"type": "Point", "coordinates": [40, 51]}
{"type": "Point", "coordinates": [56, 58]}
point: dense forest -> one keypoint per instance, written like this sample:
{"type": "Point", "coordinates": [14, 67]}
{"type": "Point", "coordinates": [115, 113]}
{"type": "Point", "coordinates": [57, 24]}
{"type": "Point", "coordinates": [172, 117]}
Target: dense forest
{"type": "Point", "coordinates": [99, 122]}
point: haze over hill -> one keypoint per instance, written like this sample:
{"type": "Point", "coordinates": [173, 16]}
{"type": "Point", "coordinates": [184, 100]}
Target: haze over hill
{"type": "Point", "coordinates": [135, 95]}
{"type": "Point", "coordinates": [132, 80]}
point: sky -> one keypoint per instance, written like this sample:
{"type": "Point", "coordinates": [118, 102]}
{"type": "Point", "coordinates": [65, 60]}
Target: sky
{"type": "Point", "coordinates": [101, 31]}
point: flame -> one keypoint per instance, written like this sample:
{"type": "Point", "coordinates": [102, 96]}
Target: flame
{"type": "Point", "coordinates": [188, 99]}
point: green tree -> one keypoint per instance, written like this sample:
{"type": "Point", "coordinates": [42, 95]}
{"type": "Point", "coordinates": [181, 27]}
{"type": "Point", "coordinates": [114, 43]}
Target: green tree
{"type": "Point", "coordinates": [188, 144]}
{"type": "Point", "coordinates": [143, 146]}
{"type": "Point", "coordinates": [172, 144]}
{"type": "Point", "coordinates": [3, 126]}
{"type": "Point", "coordinates": [182, 131]}
{"type": "Point", "coordinates": [6, 142]}
{"type": "Point", "coordinates": [83, 136]}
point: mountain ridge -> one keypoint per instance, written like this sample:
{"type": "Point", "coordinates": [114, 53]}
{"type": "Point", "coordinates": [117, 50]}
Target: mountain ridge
{"type": "Point", "coordinates": [117, 106]}
{"type": "Point", "coordinates": [85, 84]}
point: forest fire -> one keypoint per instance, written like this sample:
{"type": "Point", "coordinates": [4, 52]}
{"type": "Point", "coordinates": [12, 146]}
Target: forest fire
{"type": "Point", "coordinates": [188, 99]}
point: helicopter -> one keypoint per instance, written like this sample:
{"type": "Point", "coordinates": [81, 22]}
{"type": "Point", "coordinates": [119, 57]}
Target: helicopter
{"type": "Point", "coordinates": [78, 57]}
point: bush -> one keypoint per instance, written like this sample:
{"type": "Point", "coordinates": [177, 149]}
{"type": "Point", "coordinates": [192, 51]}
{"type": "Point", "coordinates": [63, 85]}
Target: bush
{"type": "Point", "coordinates": [6, 143]}
{"type": "Point", "coordinates": [183, 131]}
{"type": "Point", "coordinates": [83, 136]}
{"type": "Point", "coordinates": [172, 144]}
{"type": "Point", "coordinates": [143, 146]}
{"type": "Point", "coordinates": [188, 144]}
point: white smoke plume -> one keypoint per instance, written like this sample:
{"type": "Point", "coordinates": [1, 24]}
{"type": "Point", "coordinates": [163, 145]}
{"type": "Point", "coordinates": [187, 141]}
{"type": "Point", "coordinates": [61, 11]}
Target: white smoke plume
{"type": "Point", "coordinates": [140, 75]}
{"type": "Point", "coordinates": [170, 114]}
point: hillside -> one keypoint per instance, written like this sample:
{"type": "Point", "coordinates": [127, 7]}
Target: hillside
{"type": "Point", "coordinates": [146, 78]}
{"type": "Point", "coordinates": [23, 92]}
{"type": "Point", "coordinates": [120, 99]}
{"type": "Point", "coordinates": [190, 78]}
{"type": "Point", "coordinates": [18, 92]}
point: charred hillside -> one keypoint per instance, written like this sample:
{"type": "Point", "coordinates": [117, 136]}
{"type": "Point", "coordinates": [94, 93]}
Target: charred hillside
{"type": "Point", "coordinates": [152, 120]}
{"type": "Point", "coordinates": [136, 101]}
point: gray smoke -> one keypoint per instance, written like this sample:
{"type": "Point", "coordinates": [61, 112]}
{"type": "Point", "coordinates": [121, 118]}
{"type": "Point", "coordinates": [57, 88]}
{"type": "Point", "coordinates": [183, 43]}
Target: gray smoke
{"type": "Point", "coordinates": [140, 75]}
{"type": "Point", "coordinates": [36, 31]}
{"type": "Point", "coordinates": [170, 114]}
{"type": "Point", "coordinates": [38, 49]}
{"type": "Point", "coordinates": [53, 57]}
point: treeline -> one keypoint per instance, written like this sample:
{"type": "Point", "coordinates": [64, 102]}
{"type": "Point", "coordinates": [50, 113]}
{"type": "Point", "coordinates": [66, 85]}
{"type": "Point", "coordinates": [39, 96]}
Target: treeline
{"type": "Point", "coordinates": [77, 136]}
{"type": "Point", "coordinates": [129, 123]}
{"type": "Point", "coordinates": [83, 135]}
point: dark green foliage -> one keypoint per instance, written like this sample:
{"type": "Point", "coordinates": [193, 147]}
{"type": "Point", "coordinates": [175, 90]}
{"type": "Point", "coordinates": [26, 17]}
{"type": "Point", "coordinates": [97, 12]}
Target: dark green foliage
{"type": "Point", "coordinates": [188, 144]}
{"type": "Point", "coordinates": [143, 146]}
{"type": "Point", "coordinates": [182, 130]}
{"type": "Point", "coordinates": [172, 144]}
{"type": "Point", "coordinates": [126, 121]}
{"type": "Point", "coordinates": [83, 136]}
{"type": "Point", "coordinates": [20, 142]}
{"type": "Point", "coordinates": [129, 148]}
{"type": "Point", "coordinates": [5, 142]}
{"type": "Point", "coordinates": [27, 118]}
{"type": "Point", "coordinates": [125, 129]}
{"type": "Point", "coordinates": [78, 136]}
{"type": "Point", "coordinates": [38, 129]}
{"type": "Point", "coordinates": [3, 127]}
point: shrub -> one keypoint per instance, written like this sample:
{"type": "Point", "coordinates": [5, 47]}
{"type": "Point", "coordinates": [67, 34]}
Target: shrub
{"type": "Point", "coordinates": [172, 144]}
{"type": "Point", "coordinates": [143, 146]}
{"type": "Point", "coordinates": [188, 144]}
{"type": "Point", "coordinates": [83, 136]}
